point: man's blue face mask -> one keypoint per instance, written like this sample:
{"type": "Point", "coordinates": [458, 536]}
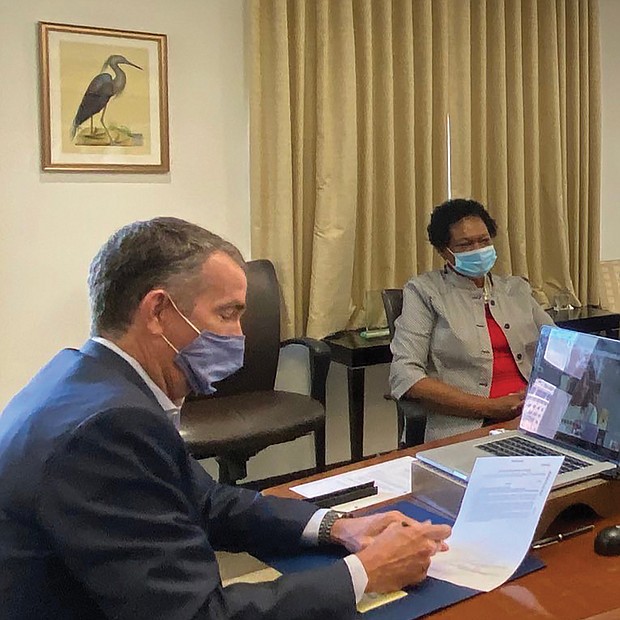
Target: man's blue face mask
{"type": "Point", "coordinates": [208, 358]}
{"type": "Point", "coordinates": [475, 263]}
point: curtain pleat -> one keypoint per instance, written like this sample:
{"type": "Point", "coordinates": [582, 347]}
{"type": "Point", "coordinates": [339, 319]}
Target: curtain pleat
{"type": "Point", "coordinates": [336, 177]}
{"type": "Point", "coordinates": [533, 137]}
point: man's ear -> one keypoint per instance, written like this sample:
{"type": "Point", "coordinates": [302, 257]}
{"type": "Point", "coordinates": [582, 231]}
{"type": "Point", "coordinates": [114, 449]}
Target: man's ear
{"type": "Point", "coordinates": [151, 310]}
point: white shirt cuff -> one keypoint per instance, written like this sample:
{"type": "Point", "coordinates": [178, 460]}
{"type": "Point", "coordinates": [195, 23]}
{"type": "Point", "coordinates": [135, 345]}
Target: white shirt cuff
{"type": "Point", "coordinates": [358, 576]}
{"type": "Point", "coordinates": [310, 535]}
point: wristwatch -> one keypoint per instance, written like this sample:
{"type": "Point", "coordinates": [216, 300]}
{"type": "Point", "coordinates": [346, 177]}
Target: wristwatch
{"type": "Point", "coordinates": [325, 528]}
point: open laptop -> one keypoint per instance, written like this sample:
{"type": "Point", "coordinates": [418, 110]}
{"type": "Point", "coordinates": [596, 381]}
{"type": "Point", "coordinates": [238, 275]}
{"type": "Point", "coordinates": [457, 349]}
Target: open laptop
{"type": "Point", "coordinates": [572, 409]}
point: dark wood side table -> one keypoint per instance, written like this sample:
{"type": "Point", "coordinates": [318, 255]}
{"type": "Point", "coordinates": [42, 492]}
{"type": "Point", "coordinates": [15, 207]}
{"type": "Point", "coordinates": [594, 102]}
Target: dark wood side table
{"type": "Point", "coordinates": [356, 353]}
{"type": "Point", "coordinates": [588, 319]}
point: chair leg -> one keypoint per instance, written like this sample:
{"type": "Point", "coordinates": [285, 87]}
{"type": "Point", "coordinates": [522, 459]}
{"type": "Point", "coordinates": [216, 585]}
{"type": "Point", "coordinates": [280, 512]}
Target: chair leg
{"type": "Point", "coordinates": [401, 427]}
{"type": "Point", "coordinates": [415, 427]}
{"type": "Point", "coordinates": [319, 446]}
{"type": "Point", "coordinates": [231, 470]}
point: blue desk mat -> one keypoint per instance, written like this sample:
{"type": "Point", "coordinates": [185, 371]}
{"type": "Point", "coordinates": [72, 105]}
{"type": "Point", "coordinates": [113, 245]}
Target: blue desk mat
{"type": "Point", "coordinates": [425, 598]}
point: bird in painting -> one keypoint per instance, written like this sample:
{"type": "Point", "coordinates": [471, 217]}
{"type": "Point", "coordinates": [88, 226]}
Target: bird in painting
{"type": "Point", "coordinates": [99, 92]}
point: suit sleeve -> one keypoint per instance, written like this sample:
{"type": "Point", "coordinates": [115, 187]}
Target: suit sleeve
{"type": "Point", "coordinates": [237, 517]}
{"type": "Point", "coordinates": [118, 505]}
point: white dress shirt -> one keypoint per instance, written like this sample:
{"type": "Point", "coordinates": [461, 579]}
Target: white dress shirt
{"type": "Point", "coordinates": [310, 534]}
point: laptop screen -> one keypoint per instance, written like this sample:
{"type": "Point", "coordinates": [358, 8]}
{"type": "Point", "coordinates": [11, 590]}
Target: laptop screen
{"type": "Point", "coordinates": [573, 394]}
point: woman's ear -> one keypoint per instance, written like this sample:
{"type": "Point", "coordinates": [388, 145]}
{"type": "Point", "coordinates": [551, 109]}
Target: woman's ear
{"type": "Point", "coordinates": [446, 255]}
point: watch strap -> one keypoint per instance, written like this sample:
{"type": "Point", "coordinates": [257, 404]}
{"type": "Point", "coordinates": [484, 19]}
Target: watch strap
{"type": "Point", "coordinates": [325, 528]}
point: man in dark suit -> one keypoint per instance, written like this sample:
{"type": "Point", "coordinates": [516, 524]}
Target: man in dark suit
{"type": "Point", "coordinates": [104, 514]}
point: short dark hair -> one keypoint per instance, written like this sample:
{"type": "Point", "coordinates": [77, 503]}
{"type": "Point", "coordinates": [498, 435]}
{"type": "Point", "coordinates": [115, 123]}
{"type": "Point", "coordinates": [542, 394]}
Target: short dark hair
{"type": "Point", "coordinates": [451, 212]}
{"type": "Point", "coordinates": [163, 252]}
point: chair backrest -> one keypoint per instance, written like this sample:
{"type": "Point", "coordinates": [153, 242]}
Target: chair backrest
{"type": "Point", "coordinates": [393, 304]}
{"type": "Point", "coordinates": [261, 326]}
{"type": "Point", "coordinates": [610, 284]}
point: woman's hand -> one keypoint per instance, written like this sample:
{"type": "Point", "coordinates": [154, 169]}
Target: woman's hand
{"type": "Point", "coordinates": [506, 407]}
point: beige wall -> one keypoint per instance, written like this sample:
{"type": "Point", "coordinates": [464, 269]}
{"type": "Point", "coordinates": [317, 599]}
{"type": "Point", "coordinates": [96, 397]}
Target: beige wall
{"type": "Point", "coordinates": [53, 223]}
{"type": "Point", "coordinates": [610, 181]}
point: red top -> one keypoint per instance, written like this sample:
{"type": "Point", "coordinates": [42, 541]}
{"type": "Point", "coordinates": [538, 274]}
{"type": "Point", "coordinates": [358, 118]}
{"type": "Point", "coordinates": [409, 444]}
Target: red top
{"type": "Point", "coordinates": [506, 376]}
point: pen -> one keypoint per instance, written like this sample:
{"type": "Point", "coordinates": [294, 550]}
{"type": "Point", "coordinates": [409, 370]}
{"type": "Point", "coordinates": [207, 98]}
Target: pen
{"type": "Point", "coordinates": [348, 494]}
{"type": "Point", "coordinates": [551, 540]}
{"type": "Point", "coordinates": [405, 524]}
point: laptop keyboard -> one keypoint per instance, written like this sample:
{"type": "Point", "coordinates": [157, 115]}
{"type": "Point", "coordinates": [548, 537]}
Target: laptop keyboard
{"type": "Point", "coordinates": [518, 446]}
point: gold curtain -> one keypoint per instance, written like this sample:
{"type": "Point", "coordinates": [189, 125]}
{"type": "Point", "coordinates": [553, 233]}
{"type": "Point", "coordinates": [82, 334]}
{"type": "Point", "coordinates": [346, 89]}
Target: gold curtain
{"type": "Point", "coordinates": [524, 110]}
{"type": "Point", "coordinates": [348, 142]}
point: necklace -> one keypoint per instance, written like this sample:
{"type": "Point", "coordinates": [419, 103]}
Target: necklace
{"type": "Point", "coordinates": [486, 290]}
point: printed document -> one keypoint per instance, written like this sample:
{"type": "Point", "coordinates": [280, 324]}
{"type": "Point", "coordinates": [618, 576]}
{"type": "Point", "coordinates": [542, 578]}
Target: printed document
{"type": "Point", "coordinates": [495, 526]}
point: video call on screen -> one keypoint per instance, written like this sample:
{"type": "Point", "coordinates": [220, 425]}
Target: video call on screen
{"type": "Point", "coordinates": [574, 391]}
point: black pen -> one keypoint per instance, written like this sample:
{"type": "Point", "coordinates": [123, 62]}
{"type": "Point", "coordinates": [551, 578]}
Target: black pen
{"type": "Point", "coordinates": [342, 496]}
{"type": "Point", "coordinates": [551, 540]}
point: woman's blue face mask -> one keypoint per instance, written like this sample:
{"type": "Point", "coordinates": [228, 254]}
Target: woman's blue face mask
{"type": "Point", "coordinates": [475, 263]}
{"type": "Point", "coordinates": [208, 358]}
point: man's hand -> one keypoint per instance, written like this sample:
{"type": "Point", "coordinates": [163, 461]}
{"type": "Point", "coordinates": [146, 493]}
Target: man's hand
{"type": "Point", "coordinates": [401, 553]}
{"type": "Point", "coordinates": [357, 533]}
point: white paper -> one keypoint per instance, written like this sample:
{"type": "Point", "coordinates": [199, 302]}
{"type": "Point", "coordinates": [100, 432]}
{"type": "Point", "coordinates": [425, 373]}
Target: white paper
{"type": "Point", "coordinates": [393, 478]}
{"type": "Point", "coordinates": [495, 526]}
{"type": "Point", "coordinates": [363, 502]}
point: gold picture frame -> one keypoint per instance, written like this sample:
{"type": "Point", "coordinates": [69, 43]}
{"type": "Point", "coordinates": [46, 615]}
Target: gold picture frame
{"type": "Point", "coordinates": [104, 99]}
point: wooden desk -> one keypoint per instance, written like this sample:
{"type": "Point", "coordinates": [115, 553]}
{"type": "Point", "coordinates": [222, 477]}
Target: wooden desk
{"type": "Point", "coordinates": [576, 583]}
{"type": "Point", "coordinates": [356, 353]}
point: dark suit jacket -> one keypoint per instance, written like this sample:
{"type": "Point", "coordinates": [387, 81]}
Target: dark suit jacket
{"type": "Point", "coordinates": [103, 513]}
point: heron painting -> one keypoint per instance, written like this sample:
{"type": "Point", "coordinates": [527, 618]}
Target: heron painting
{"type": "Point", "coordinates": [101, 89]}
{"type": "Point", "coordinates": [104, 99]}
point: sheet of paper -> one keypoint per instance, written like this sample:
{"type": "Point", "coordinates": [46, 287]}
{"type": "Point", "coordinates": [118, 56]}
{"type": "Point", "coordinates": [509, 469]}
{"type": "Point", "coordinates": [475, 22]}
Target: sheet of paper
{"type": "Point", "coordinates": [363, 502]}
{"type": "Point", "coordinates": [497, 519]}
{"type": "Point", "coordinates": [393, 478]}
{"type": "Point", "coordinates": [373, 600]}
{"type": "Point", "coordinates": [233, 565]}
{"type": "Point", "coordinates": [369, 601]}
{"type": "Point", "coordinates": [259, 576]}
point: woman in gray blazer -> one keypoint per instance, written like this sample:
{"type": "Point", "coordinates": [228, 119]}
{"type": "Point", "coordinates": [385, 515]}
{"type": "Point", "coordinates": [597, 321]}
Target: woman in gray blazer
{"type": "Point", "coordinates": [465, 341]}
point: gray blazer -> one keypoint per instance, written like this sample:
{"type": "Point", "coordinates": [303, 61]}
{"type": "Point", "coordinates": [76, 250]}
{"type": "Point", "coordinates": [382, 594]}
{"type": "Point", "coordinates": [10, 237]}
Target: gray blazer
{"type": "Point", "coordinates": [442, 333]}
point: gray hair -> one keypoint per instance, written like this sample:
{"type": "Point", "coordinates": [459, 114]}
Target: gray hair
{"type": "Point", "coordinates": [164, 252]}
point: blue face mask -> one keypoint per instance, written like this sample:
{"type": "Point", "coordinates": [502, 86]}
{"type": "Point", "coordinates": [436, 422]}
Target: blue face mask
{"type": "Point", "coordinates": [208, 358]}
{"type": "Point", "coordinates": [475, 263]}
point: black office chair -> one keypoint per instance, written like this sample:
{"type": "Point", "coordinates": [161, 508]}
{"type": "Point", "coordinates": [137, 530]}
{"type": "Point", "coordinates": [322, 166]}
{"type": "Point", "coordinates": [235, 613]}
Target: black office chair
{"type": "Point", "coordinates": [247, 414]}
{"type": "Point", "coordinates": [409, 418]}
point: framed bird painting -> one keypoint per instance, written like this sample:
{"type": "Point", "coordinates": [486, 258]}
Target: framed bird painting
{"type": "Point", "coordinates": [104, 100]}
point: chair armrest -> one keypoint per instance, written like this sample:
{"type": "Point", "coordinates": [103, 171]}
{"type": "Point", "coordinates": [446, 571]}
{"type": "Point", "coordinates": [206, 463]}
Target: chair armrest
{"type": "Point", "coordinates": [320, 359]}
{"type": "Point", "coordinates": [415, 422]}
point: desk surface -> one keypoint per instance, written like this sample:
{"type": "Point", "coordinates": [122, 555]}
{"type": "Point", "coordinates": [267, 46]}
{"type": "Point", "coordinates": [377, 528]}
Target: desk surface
{"type": "Point", "coordinates": [576, 583]}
